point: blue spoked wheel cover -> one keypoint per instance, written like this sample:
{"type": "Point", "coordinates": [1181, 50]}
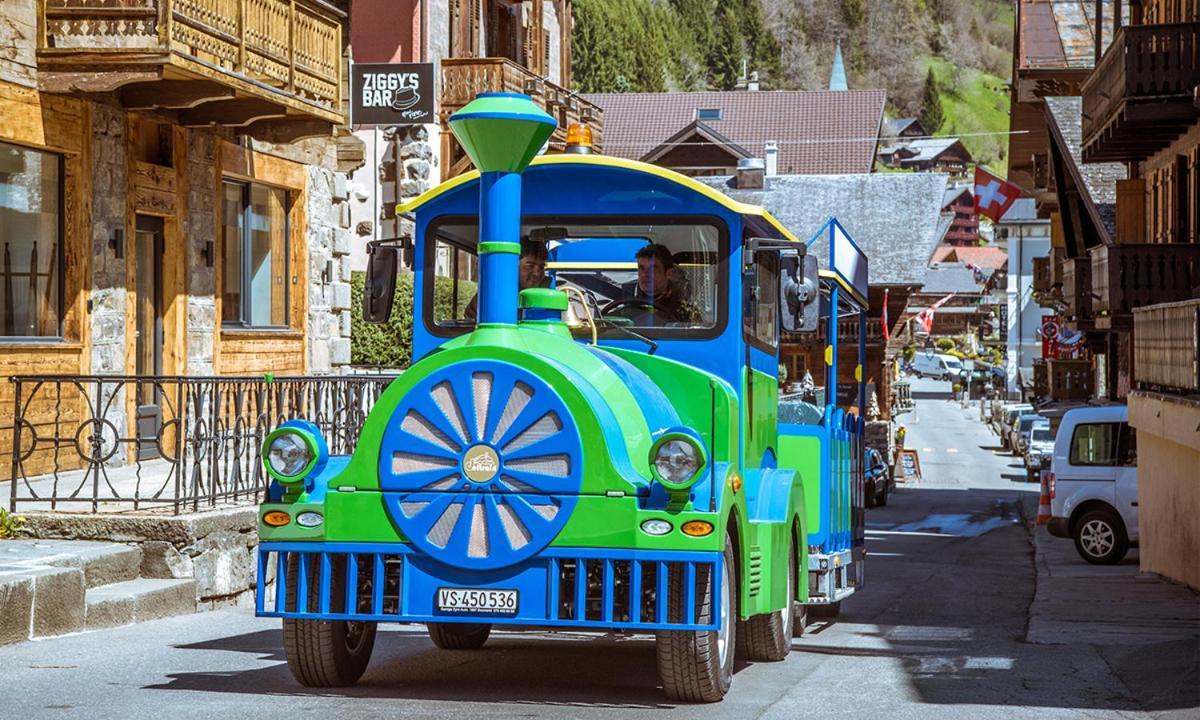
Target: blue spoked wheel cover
{"type": "Point", "coordinates": [481, 464]}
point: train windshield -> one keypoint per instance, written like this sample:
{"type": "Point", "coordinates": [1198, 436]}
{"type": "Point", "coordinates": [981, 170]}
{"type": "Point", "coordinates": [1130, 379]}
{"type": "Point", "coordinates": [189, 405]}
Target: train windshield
{"type": "Point", "coordinates": [661, 278]}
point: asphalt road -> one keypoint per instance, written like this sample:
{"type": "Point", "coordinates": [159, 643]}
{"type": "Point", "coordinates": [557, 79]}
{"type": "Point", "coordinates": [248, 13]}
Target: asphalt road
{"type": "Point", "coordinates": [939, 632]}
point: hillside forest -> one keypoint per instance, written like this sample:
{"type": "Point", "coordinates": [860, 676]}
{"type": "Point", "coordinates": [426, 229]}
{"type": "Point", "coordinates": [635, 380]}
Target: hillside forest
{"type": "Point", "coordinates": [945, 61]}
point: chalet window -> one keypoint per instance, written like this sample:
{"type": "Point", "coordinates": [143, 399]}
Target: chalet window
{"type": "Point", "coordinates": [31, 234]}
{"type": "Point", "coordinates": [254, 287]}
{"type": "Point", "coordinates": [708, 113]}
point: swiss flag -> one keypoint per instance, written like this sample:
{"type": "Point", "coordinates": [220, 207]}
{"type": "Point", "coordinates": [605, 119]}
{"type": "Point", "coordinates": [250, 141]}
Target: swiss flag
{"type": "Point", "coordinates": [993, 194]}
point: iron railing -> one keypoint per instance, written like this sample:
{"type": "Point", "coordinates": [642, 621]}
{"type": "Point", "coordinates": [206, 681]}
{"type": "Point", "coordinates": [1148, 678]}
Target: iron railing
{"type": "Point", "coordinates": [93, 441]}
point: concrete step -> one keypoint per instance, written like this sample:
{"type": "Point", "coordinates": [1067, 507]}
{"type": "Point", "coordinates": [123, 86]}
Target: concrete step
{"type": "Point", "coordinates": [112, 564]}
{"type": "Point", "coordinates": [136, 600]}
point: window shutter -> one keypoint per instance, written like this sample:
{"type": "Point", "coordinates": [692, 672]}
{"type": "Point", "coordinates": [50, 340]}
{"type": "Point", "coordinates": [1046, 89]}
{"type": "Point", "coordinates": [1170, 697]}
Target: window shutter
{"type": "Point", "coordinates": [545, 52]}
{"type": "Point", "coordinates": [476, 25]}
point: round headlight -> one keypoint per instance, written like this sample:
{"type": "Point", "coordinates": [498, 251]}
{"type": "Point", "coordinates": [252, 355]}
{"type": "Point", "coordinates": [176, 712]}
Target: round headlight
{"type": "Point", "coordinates": [654, 526]}
{"type": "Point", "coordinates": [677, 461]}
{"type": "Point", "coordinates": [290, 455]}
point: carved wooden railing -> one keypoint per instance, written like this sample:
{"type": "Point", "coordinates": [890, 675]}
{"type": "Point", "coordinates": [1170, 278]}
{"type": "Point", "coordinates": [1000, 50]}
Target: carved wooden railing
{"type": "Point", "coordinates": [1070, 379]}
{"type": "Point", "coordinates": [464, 78]}
{"type": "Point", "coordinates": [1077, 288]}
{"type": "Point", "coordinates": [1158, 63]}
{"type": "Point", "coordinates": [1041, 379]}
{"type": "Point", "coordinates": [848, 330]}
{"type": "Point", "coordinates": [290, 45]}
{"type": "Point", "coordinates": [1166, 348]}
{"type": "Point", "coordinates": [1126, 277]}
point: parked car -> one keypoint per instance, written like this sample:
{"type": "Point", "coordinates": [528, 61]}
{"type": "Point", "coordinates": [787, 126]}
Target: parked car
{"type": "Point", "coordinates": [1021, 429]}
{"type": "Point", "coordinates": [1093, 483]}
{"type": "Point", "coordinates": [1015, 427]}
{"type": "Point", "coordinates": [941, 367]}
{"type": "Point", "coordinates": [1005, 418]}
{"type": "Point", "coordinates": [1039, 450]}
{"type": "Point", "coordinates": [880, 481]}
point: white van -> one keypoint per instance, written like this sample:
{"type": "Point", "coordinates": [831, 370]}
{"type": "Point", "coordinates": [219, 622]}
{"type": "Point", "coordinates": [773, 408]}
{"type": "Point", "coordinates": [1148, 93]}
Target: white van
{"type": "Point", "coordinates": [942, 367]}
{"type": "Point", "coordinates": [1093, 483]}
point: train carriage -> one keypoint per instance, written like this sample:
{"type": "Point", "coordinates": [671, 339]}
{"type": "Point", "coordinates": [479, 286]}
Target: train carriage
{"type": "Point", "coordinates": [588, 443]}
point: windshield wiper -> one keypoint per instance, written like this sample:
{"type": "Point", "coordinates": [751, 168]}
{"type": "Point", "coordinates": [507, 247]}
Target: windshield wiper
{"type": "Point", "coordinates": [635, 335]}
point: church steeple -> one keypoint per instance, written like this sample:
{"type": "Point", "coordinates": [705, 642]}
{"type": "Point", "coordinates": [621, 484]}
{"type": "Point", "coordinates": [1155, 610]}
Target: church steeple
{"type": "Point", "coordinates": [837, 77]}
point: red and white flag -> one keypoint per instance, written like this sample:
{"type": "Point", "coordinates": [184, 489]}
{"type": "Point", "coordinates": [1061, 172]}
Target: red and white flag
{"type": "Point", "coordinates": [993, 194]}
{"type": "Point", "coordinates": [925, 317]}
{"type": "Point", "coordinates": [885, 319]}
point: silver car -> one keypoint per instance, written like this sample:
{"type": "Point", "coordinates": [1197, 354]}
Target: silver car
{"type": "Point", "coordinates": [1019, 434]}
{"type": "Point", "coordinates": [1039, 450]}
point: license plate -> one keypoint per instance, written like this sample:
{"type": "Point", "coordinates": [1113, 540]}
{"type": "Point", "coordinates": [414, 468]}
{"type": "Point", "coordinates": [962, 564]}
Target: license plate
{"type": "Point", "coordinates": [477, 600]}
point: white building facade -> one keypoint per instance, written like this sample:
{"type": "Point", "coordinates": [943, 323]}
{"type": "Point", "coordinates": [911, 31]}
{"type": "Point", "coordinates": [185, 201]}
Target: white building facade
{"type": "Point", "coordinates": [1028, 237]}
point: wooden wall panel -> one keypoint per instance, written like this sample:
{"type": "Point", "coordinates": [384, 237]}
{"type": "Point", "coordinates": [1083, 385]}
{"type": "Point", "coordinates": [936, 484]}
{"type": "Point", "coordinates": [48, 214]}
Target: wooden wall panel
{"type": "Point", "coordinates": [254, 352]}
{"type": "Point", "coordinates": [62, 125]}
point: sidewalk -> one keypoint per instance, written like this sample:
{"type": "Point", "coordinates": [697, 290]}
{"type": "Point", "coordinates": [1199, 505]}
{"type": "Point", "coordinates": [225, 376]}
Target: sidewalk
{"type": "Point", "coordinates": [1145, 628]}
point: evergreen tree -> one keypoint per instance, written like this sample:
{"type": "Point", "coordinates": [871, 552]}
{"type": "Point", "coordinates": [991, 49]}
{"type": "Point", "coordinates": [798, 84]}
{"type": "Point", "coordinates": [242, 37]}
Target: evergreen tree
{"type": "Point", "coordinates": [931, 115]}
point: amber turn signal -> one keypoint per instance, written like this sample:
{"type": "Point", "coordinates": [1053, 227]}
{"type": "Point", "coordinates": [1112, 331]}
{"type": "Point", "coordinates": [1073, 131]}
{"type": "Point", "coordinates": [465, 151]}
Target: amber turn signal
{"type": "Point", "coordinates": [277, 518]}
{"type": "Point", "coordinates": [697, 528]}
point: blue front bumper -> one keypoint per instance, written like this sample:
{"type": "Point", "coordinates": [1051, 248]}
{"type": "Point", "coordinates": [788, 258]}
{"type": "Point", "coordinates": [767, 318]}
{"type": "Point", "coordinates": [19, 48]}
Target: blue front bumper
{"type": "Point", "coordinates": [616, 589]}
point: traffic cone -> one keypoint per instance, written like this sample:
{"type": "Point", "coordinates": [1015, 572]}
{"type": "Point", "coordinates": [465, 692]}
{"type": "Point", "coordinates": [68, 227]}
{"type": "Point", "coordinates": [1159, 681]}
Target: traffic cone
{"type": "Point", "coordinates": [1043, 515]}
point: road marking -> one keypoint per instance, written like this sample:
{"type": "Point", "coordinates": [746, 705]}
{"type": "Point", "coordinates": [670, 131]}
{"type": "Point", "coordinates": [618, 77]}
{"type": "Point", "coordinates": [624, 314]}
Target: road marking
{"type": "Point", "coordinates": [926, 449]}
{"type": "Point", "coordinates": [951, 450]}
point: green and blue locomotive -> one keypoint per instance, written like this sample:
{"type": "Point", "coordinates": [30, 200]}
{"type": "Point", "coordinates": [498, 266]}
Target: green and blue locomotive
{"type": "Point", "coordinates": [589, 436]}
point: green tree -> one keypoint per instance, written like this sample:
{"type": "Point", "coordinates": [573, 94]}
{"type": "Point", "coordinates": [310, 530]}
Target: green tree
{"type": "Point", "coordinates": [931, 115]}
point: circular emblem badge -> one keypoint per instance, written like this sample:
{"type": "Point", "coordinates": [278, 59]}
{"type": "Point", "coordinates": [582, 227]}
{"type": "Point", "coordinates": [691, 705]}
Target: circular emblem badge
{"type": "Point", "coordinates": [480, 464]}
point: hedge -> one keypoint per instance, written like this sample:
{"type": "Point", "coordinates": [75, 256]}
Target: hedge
{"type": "Point", "coordinates": [390, 344]}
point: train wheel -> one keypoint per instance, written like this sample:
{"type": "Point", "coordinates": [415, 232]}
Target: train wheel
{"type": "Point", "coordinates": [459, 636]}
{"type": "Point", "coordinates": [769, 636]}
{"type": "Point", "coordinates": [325, 653]}
{"type": "Point", "coordinates": [697, 666]}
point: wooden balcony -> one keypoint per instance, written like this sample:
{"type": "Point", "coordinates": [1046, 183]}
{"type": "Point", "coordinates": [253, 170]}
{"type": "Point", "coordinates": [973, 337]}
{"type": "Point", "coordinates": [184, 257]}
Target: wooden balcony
{"type": "Point", "coordinates": [1043, 282]}
{"type": "Point", "coordinates": [464, 78]}
{"type": "Point", "coordinates": [227, 62]}
{"type": "Point", "coordinates": [1166, 348]}
{"type": "Point", "coordinates": [848, 331]}
{"type": "Point", "coordinates": [1041, 379]}
{"type": "Point", "coordinates": [1077, 289]}
{"type": "Point", "coordinates": [1070, 379]}
{"type": "Point", "coordinates": [1140, 97]}
{"type": "Point", "coordinates": [1125, 277]}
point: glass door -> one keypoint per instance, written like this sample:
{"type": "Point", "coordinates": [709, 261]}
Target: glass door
{"type": "Point", "coordinates": [148, 331]}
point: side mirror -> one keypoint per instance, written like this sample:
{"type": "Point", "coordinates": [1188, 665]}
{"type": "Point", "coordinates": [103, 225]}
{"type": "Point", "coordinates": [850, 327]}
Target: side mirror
{"type": "Point", "coordinates": [800, 309]}
{"type": "Point", "coordinates": [380, 287]}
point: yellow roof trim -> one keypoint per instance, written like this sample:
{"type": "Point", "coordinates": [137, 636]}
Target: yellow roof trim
{"type": "Point", "coordinates": [845, 286]}
{"type": "Point", "coordinates": [612, 162]}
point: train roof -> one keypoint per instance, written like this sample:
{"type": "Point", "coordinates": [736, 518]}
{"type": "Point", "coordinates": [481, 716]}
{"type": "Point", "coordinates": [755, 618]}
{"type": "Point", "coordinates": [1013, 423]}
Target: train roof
{"type": "Point", "coordinates": [744, 209]}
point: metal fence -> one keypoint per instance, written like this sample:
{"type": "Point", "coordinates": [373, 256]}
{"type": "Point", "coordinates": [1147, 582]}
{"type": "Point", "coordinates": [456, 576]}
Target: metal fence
{"type": "Point", "coordinates": [93, 442]}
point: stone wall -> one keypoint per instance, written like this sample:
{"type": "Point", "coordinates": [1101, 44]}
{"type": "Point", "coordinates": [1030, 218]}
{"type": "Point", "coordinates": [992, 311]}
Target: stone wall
{"type": "Point", "coordinates": [201, 229]}
{"type": "Point", "coordinates": [329, 240]}
{"type": "Point", "coordinates": [218, 548]}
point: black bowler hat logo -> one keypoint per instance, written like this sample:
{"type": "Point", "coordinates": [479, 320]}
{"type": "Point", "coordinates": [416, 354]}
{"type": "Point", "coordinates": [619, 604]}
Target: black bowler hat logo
{"type": "Point", "coordinates": [404, 98]}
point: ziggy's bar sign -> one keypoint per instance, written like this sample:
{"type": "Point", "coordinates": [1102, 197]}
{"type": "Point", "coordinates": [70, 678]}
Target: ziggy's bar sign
{"type": "Point", "coordinates": [391, 93]}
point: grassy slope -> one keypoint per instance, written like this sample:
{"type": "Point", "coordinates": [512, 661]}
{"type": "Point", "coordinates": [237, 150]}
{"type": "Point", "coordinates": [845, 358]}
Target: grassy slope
{"type": "Point", "coordinates": [976, 103]}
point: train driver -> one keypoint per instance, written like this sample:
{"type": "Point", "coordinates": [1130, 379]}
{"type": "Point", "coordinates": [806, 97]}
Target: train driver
{"type": "Point", "coordinates": [656, 287]}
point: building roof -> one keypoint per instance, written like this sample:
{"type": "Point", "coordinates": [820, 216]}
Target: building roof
{"type": "Point", "coordinates": [949, 278]}
{"type": "Point", "coordinates": [819, 132]}
{"type": "Point", "coordinates": [893, 128]}
{"type": "Point", "coordinates": [1024, 210]}
{"type": "Point", "coordinates": [1099, 179]}
{"type": "Point", "coordinates": [989, 258]}
{"type": "Point", "coordinates": [894, 217]}
{"type": "Point", "coordinates": [928, 150]}
{"type": "Point", "coordinates": [1058, 35]}
{"type": "Point", "coordinates": [952, 194]}
{"type": "Point", "coordinates": [698, 131]}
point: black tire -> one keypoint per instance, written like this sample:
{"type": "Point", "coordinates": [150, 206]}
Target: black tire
{"type": "Point", "coordinates": [828, 611]}
{"type": "Point", "coordinates": [1100, 537]}
{"type": "Point", "coordinates": [1031, 475]}
{"type": "Point", "coordinates": [769, 636]}
{"type": "Point", "coordinates": [326, 653]}
{"type": "Point", "coordinates": [697, 666]}
{"type": "Point", "coordinates": [883, 496]}
{"type": "Point", "coordinates": [459, 636]}
{"type": "Point", "coordinates": [869, 499]}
